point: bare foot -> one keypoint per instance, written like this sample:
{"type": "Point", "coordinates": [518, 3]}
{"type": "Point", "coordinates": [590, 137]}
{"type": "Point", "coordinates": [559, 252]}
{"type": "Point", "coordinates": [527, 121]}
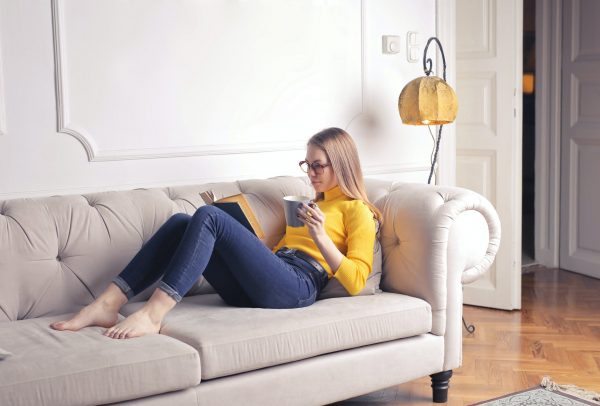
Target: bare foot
{"type": "Point", "coordinates": [98, 313]}
{"type": "Point", "coordinates": [136, 325]}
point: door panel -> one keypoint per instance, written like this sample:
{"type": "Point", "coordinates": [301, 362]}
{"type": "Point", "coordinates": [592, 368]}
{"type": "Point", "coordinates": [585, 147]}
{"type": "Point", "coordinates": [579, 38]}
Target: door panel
{"type": "Point", "coordinates": [580, 139]}
{"type": "Point", "coordinates": [489, 61]}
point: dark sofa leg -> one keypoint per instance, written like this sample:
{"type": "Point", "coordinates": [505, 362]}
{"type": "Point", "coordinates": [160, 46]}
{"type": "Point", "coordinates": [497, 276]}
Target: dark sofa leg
{"type": "Point", "coordinates": [439, 383]}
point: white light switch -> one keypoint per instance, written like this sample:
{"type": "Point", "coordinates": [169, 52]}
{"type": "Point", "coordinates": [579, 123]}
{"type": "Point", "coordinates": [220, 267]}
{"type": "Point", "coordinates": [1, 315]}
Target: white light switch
{"type": "Point", "coordinates": [413, 38]}
{"type": "Point", "coordinates": [390, 44]}
{"type": "Point", "coordinates": [412, 46]}
{"type": "Point", "coordinates": [413, 54]}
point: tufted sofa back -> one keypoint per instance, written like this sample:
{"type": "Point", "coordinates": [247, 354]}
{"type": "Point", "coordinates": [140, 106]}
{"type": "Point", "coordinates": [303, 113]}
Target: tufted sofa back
{"type": "Point", "coordinates": [58, 253]}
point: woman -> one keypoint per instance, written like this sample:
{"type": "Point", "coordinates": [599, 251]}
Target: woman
{"type": "Point", "coordinates": [241, 269]}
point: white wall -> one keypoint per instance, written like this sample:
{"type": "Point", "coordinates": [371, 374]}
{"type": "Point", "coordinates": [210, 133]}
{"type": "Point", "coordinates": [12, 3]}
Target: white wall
{"type": "Point", "coordinates": [107, 94]}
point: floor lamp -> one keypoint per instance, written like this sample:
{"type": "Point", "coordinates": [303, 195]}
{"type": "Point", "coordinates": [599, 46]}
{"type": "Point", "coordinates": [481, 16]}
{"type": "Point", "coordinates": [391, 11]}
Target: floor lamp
{"type": "Point", "coordinates": [430, 100]}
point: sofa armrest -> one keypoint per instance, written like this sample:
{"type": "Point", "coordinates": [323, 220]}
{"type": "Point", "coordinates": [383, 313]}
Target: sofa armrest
{"type": "Point", "coordinates": [434, 239]}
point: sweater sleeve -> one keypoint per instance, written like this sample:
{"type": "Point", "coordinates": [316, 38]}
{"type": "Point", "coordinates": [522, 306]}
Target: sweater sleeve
{"type": "Point", "coordinates": [358, 261]}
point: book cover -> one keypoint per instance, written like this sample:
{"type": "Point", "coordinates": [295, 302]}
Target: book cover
{"type": "Point", "coordinates": [236, 206]}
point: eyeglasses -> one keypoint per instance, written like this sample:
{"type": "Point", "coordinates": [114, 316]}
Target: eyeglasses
{"type": "Point", "coordinates": [317, 167]}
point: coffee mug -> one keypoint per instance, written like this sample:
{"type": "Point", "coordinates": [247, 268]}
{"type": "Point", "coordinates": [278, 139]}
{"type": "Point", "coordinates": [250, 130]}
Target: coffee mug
{"type": "Point", "coordinates": [290, 206]}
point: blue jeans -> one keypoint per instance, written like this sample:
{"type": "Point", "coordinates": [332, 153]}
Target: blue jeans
{"type": "Point", "coordinates": [241, 269]}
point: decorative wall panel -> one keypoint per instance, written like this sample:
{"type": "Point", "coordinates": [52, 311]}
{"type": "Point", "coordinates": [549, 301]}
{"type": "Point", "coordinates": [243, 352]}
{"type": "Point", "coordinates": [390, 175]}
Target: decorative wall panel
{"type": "Point", "coordinates": [146, 81]}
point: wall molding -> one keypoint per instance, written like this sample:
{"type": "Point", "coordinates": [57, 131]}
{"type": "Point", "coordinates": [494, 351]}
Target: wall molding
{"type": "Point", "coordinates": [547, 131]}
{"type": "Point", "coordinates": [372, 170]}
{"type": "Point", "coordinates": [94, 153]}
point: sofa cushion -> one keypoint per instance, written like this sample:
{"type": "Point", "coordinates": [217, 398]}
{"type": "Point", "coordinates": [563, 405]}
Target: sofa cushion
{"type": "Point", "coordinates": [232, 340]}
{"type": "Point", "coordinates": [50, 367]}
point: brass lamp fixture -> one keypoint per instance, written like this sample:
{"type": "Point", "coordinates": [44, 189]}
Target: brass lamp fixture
{"type": "Point", "coordinates": [429, 100]}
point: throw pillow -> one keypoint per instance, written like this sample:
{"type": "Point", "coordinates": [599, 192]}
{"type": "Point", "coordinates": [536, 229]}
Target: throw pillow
{"type": "Point", "coordinates": [4, 354]}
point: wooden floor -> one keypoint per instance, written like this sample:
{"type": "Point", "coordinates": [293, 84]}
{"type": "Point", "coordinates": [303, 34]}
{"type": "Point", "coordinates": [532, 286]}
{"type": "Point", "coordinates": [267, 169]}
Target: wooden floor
{"type": "Point", "coordinates": [556, 333]}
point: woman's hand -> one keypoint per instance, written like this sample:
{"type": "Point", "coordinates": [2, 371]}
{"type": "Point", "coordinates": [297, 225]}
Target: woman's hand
{"type": "Point", "coordinates": [313, 217]}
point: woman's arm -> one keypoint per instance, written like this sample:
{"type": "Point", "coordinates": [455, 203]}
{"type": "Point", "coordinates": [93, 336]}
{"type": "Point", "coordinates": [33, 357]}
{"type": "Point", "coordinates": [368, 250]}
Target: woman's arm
{"type": "Point", "coordinates": [357, 264]}
{"type": "Point", "coordinates": [352, 269]}
{"type": "Point", "coordinates": [314, 219]}
{"type": "Point", "coordinates": [332, 255]}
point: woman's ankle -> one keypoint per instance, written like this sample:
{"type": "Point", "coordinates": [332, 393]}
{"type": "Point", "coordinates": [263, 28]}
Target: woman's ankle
{"type": "Point", "coordinates": [159, 304]}
{"type": "Point", "coordinates": [113, 297]}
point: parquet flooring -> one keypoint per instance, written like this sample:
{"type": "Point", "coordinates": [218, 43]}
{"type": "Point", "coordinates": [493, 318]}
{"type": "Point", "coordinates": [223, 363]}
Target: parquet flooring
{"type": "Point", "coordinates": [556, 333]}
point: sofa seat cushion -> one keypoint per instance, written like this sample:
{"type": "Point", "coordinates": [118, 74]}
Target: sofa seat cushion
{"type": "Point", "coordinates": [49, 367]}
{"type": "Point", "coordinates": [232, 340]}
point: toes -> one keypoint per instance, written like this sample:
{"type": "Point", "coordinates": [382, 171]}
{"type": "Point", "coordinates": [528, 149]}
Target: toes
{"type": "Point", "coordinates": [128, 333]}
{"type": "Point", "coordinates": [60, 325]}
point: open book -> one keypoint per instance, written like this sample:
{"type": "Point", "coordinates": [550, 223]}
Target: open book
{"type": "Point", "coordinates": [236, 206]}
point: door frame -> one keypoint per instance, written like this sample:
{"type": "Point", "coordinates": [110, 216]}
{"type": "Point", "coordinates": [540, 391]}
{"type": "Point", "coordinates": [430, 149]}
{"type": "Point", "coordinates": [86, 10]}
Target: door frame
{"type": "Point", "coordinates": [516, 239]}
{"type": "Point", "coordinates": [548, 37]}
{"type": "Point", "coordinates": [445, 31]}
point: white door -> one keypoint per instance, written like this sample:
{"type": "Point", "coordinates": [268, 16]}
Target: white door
{"type": "Point", "coordinates": [488, 132]}
{"type": "Point", "coordinates": [580, 139]}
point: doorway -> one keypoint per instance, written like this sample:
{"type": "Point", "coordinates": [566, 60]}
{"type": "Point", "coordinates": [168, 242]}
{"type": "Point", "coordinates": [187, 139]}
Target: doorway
{"type": "Point", "coordinates": [528, 129]}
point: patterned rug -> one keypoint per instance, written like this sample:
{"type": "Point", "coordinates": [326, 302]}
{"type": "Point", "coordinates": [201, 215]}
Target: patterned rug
{"type": "Point", "coordinates": [547, 394]}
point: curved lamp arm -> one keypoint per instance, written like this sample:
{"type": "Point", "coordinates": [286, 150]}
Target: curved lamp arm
{"type": "Point", "coordinates": [427, 63]}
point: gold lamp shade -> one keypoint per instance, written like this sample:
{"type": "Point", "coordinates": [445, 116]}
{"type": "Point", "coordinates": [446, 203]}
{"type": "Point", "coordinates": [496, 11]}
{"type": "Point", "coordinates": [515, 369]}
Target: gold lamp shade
{"type": "Point", "coordinates": [427, 100]}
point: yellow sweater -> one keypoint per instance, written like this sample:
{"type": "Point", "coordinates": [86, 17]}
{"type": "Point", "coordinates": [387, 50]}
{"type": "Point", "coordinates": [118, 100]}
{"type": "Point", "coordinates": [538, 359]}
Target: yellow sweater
{"type": "Point", "coordinates": [351, 226]}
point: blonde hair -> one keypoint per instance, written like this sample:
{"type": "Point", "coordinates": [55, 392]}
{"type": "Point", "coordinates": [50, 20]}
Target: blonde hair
{"type": "Point", "coordinates": [341, 152]}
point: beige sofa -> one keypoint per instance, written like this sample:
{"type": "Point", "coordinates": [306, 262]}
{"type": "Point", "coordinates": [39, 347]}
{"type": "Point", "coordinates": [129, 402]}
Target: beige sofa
{"type": "Point", "coordinates": [58, 253]}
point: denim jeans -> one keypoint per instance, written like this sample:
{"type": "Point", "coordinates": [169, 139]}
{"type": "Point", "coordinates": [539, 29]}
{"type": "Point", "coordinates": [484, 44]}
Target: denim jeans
{"type": "Point", "coordinates": [211, 243]}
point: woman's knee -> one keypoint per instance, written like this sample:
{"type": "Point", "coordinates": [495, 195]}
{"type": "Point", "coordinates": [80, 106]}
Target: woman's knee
{"type": "Point", "coordinates": [205, 211]}
{"type": "Point", "coordinates": [178, 220]}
